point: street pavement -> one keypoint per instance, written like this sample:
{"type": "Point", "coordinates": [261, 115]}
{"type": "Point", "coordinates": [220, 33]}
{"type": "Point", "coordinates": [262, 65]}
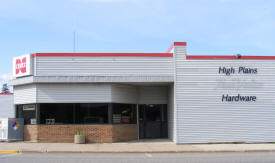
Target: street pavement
{"type": "Point", "coordinates": [219, 157]}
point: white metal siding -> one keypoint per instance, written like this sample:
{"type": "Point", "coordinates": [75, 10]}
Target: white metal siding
{"type": "Point", "coordinates": [120, 66]}
{"type": "Point", "coordinates": [179, 58]}
{"type": "Point", "coordinates": [90, 93]}
{"type": "Point", "coordinates": [24, 94]}
{"type": "Point", "coordinates": [6, 106]}
{"type": "Point", "coordinates": [203, 117]}
{"type": "Point", "coordinates": [124, 94]}
{"type": "Point", "coordinates": [152, 95]}
{"type": "Point", "coordinates": [73, 93]}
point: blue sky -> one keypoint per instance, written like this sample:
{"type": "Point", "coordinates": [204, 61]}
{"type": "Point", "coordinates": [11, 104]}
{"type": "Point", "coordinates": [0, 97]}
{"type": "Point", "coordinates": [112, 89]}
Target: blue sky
{"type": "Point", "coordinates": [213, 27]}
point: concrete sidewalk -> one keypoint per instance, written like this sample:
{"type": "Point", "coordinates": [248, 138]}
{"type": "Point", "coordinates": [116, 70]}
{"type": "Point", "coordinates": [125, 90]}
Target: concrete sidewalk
{"type": "Point", "coordinates": [132, 147]}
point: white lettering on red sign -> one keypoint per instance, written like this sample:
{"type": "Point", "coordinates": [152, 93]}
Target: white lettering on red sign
{"type": "Point", "coordinates": [21, 65]}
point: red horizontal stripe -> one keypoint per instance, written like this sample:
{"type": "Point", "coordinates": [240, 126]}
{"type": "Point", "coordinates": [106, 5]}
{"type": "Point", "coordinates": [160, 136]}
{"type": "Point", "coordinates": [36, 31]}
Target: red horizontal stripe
{"type": "Point", "coordinates": [258, 57]}
{"type": "Point", "coordinates": [210, 57]}
{"type": "Point", "coordinates": [6, 93]}
{"type": "Point", "coordinates": [176, 44]}
{"type": "Point", "coordinates": [103, 55]}
{"type": "Point", "coordinates": [231, 57]}
{"type": "Point", "coordinates": [180, 43]}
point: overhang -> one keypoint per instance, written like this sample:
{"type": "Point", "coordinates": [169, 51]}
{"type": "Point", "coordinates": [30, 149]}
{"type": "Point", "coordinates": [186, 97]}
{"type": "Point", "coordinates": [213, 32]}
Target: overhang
{"type": "Point", "coordinates": [92, 79]}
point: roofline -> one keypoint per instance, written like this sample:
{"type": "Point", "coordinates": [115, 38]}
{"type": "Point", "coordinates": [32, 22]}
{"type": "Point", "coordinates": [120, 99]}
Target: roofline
{"type": "Point", "coordinates": [102, 55]}
{"type": "Point", "coordinates": [175, 44]}
{"type": "Point", "coordinates": [167, 54]}
{"type": "Point", "coordinates": [6, 93]}
{"type": "Point", "coordinates": [213, 57]}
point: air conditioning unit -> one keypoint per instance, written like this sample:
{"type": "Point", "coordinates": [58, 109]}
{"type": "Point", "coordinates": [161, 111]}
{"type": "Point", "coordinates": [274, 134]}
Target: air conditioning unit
{"type": "Point", "coordinates": [33, 121]}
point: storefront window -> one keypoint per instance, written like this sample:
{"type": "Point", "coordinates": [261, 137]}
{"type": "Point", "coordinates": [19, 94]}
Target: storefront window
{"type": "Point", "coordinates": [52, 114]}
{"type": "Point", "coordinates": [56, 114]}
{"type": "Point", "coordinates": [124, 113]}
{"type": "Point", "coordinates": [91, 113]}
{"type": "Point", "coordinates": [94, 113]}
{"type": "Point", "coordinates": [27, 112]}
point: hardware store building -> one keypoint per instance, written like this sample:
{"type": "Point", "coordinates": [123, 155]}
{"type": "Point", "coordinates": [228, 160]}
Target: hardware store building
{"type": "Point", "coordinates": [114, 97]}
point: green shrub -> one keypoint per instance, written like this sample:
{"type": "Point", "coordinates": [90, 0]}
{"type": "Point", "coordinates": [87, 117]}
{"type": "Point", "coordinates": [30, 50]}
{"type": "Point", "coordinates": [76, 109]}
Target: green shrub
{"type": "Point", "coordinates": [79, 133]}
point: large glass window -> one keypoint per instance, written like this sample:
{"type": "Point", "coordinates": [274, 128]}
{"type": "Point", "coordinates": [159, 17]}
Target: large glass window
{"type": "Point", "coordinates": [124, 113]}
{"type": "Point", "coordinates": [73, 113]}
{"type": "Point", "coordinates": [91, 113]}
{"type": "Point", "coordinates": [27, 112]}
{"type": "Point", "coordinates": [56, 114]}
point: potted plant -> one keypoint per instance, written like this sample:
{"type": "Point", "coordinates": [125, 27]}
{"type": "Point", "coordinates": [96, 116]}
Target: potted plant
{"type": "Point", "coordinates": [79, 138]}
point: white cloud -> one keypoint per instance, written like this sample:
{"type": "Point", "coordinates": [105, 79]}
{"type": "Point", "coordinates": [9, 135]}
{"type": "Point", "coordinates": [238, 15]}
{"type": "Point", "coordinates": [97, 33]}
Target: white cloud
{"type": "Point", "coordinates": [5, 77]}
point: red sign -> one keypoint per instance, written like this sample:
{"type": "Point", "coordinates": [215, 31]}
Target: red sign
{"type": "Point", "coordinates": [21, 65]}
{"type": "Point", "coordinates": [125, 119]}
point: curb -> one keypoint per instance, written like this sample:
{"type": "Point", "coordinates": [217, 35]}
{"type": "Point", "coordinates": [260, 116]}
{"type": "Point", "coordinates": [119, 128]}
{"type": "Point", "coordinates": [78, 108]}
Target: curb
{"type": "Point", "coordinates": [9, 151]}
{"type": "Point", "coordinates": [190, 151]}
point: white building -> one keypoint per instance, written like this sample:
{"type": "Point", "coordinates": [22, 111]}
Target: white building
{"type": "Point", "coordinates": [125, 96]}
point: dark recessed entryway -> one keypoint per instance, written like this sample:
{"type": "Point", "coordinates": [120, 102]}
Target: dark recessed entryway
{"type": "Point", "coordinates": [153, 121]}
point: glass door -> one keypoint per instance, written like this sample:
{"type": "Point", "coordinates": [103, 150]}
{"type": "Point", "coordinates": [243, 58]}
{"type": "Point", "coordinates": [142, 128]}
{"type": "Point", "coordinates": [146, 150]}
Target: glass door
{"type": "Point", "coordinates": [153, 121]}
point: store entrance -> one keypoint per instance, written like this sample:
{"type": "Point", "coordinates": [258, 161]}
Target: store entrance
{"type": "Point", "coordinates": [153, 121]}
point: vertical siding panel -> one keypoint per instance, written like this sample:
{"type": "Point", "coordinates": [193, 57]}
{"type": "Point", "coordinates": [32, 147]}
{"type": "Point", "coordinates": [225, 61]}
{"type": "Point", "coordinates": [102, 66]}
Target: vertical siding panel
{"type": "Point", "coordinates": [124, 94]}
{"type": "Point", "coordinates": [203, 117]}
{"type": "Point", "coordinates": [24, 94]}
{"type": "Point", "coordinates": [152, 95]}
{"type": "Point", "coordinates": [107, 66]}
{"type": "Point", "coordinates": [179, 58]}
{"type": "Point", "coordinates": [73, 93]}
{"type": "Point", "coordinates": [7, 107]}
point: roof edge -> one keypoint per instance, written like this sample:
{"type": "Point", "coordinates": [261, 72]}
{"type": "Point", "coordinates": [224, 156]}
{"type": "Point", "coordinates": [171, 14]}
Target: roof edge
{"type": "Point", "coordinates": [6, 93]}
{"type": "Point", "coordinates": [175, 44]}
{"type": "Point", "coordinates": [213, 57]}
{"type": "Point", "coordinates": [102, 55]}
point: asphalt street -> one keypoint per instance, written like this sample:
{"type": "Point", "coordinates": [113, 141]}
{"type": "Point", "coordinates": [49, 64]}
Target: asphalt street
{"type": "Point", "coordinates": [244, 157]}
